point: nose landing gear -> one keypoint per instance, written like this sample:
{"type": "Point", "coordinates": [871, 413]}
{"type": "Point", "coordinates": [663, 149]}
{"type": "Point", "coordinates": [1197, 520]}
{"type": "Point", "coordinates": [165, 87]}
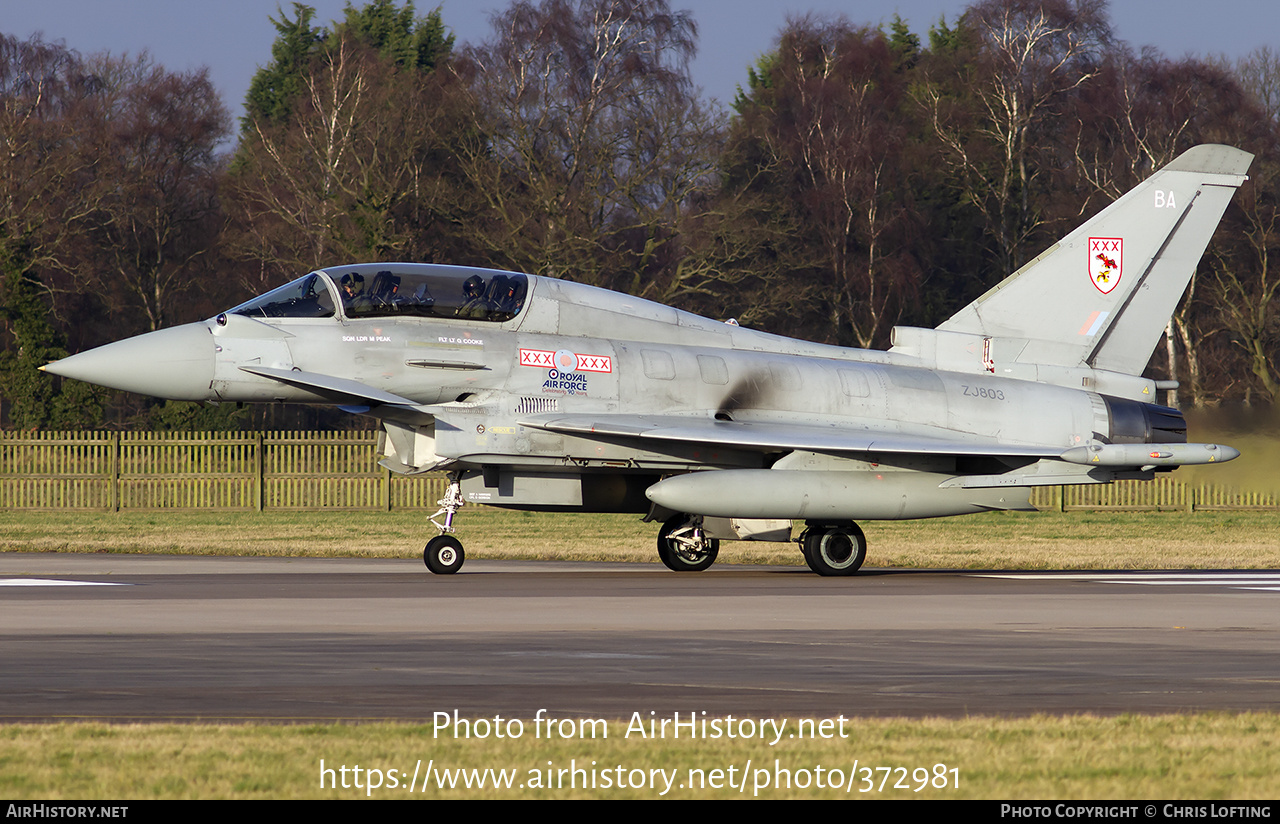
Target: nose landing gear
{"type": "Point", "coordinates": [443, 554]}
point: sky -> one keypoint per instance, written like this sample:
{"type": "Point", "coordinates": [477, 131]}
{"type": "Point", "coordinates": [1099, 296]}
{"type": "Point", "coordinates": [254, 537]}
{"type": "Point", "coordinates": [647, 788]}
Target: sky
{"type": "Point", "coordinates": [233, 37]}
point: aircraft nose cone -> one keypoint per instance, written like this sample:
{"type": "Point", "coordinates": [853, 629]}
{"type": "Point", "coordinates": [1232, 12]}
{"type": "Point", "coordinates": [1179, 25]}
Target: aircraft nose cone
{"type": "Point", "coordinates": [172, 363]}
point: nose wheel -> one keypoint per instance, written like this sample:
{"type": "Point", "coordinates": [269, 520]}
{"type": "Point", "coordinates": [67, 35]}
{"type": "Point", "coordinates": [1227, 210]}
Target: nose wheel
{"type": "Point", "coordinates": [684, 547]}
{"type": "Point", "coordinates": [444, 555]}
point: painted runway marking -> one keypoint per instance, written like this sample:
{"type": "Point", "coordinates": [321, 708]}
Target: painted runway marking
{"type": "Point", "coordinates": [1261, 581]}
{"type": "Point", "coordinates": [53, 582]}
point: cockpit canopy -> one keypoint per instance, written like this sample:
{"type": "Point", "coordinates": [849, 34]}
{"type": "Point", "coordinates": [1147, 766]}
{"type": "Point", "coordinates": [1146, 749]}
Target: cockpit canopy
{"type": "Point", "coordinates": [373, 290]}
{"type": "Point", "coordinates": [306, 297]}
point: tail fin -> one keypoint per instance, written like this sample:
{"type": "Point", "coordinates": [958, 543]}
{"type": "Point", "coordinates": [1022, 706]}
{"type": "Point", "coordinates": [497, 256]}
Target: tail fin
{"type": "Point", "coordinates": [1100, 297]}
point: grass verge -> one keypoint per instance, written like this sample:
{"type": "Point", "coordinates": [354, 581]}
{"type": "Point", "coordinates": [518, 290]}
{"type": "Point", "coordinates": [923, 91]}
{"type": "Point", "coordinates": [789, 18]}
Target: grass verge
{"type": "Point", "coordinates": [1201, 756]}
{"type": "Point", "coordinates": [998, 540]}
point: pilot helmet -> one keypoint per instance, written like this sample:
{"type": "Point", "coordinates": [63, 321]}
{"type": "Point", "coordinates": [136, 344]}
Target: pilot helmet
{"type": "Point", "coordinates": [473, 287]}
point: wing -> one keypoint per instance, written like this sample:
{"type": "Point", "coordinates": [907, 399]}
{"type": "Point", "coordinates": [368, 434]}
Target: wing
{"type": "Point", "coordinates": [845, 440]}
{"type": "Point", "coordinates": [772, 437]}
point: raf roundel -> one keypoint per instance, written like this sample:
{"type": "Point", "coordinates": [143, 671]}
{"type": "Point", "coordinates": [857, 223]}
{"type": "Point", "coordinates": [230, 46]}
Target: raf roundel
{"type": "Point", "coordinates": [566, 361]}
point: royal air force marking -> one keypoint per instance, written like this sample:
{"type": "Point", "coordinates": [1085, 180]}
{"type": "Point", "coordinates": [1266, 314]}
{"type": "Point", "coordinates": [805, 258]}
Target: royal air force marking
{"type": "Point", "coordinates": [566, 361]}
{"type": "Point", "coordinates": [566, 370]}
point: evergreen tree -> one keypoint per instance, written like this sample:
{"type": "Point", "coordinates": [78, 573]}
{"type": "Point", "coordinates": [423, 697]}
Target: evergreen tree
{"type": "Point", "coordinates": [408, 41]}
{"type": "Point", "coordinates": [38, 400]}
{"type": "Point", "coordinates": [904, 44]}
{"type": "Point", "coordinates": [396, 33]}
{"type": "Point", "coordinates": [274, 87]}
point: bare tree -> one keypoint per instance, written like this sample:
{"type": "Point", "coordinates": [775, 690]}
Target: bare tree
{"type": "Point", "coordinates": [103, 178]}
{"type": "Point", "coordinates": [358, 171]}
{"type": "Point", "coordinates": [155, 135]}
{"type": "Point", "coordinates": [591, 137]}
{"type": "Point", "coordinates": [291, 175]}
{"type": "Point", "coordinates": [45, 174]}
{"type": "Point", "coordinates": [1259, 75]}
{"type": "Point", "coordinates": [995, 115]}
{"type": "Point", "coordinates": [737, 257]}
{"type": "Point", "coordinates": [823, 120]}
{"type": "Point", "coordinates": [1245, 280]}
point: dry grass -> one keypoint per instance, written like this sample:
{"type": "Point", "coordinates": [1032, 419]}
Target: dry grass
{"type": "Point", "coordinates": [1205, 756]}
{"type": "Point", "coordinates": [1046, 540]}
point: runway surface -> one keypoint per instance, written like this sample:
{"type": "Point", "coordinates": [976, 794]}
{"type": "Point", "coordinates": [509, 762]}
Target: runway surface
{"type": "Point", "coordinates": [163, 637]}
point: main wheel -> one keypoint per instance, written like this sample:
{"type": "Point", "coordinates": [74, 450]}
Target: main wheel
{"type": "Point", "coordinates": [443, 555]}
{"type": "Point", "coordinates": [834, 550]}
{"type": "Point", "coordinates": [683, 547]}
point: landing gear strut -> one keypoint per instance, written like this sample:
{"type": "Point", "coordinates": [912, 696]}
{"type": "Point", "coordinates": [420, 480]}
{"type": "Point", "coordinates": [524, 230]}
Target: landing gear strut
{"type": "Point", "coordinates": [834, 549]}
{"type": "Point", "coordinates": [684, 547]}
{"type": "Point", "coordinates": [443, 554]}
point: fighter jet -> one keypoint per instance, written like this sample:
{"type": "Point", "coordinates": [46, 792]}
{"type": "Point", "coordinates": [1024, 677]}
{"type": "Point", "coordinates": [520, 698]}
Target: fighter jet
{"type": "Point", "coordinates": [543, 394]}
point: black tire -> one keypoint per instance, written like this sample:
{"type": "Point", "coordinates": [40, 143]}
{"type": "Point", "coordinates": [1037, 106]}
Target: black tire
{"type": "Point", "coordinates": [834, 550]}
{"type": "Point", "coordinates": [680, 552]}
{"type": "Point", "coordinates": [443, 555]}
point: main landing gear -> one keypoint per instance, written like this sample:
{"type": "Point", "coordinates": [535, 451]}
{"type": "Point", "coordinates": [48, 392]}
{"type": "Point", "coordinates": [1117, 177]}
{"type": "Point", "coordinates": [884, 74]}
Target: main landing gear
{"type": "Point", "coordinates": [684, 547]}
{"type": "Point", "coordinates": [443, 554]}
{"type": "Point", "coordinates": [829, 548]}
{"type": "Point", "coordinates": [834, 549]}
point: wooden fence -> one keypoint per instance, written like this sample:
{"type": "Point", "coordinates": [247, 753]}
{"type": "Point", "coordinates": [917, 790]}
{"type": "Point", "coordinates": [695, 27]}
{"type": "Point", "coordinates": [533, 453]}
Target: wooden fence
{"type": "Point", "coordinates": [1163, 493]}
{"type": "Point", "coordinates": [209, 470]}
{"type": "Point", "coordinates": [320, 470]}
